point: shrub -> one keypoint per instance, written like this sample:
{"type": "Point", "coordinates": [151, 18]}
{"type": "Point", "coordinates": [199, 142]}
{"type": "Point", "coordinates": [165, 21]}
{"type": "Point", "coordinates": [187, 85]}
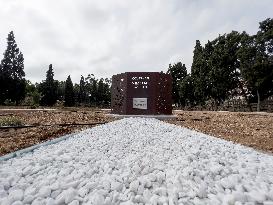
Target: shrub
{"type": "Point", "coordinates": [10, 121]}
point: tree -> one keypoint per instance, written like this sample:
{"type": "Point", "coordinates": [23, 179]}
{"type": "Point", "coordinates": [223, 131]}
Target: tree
{"type": "Point", "coordinates": [60, 91]}
{"type": "Point", "coordinates": [265, 36]}
{"type": "Point", "coordinates": [107, 91]}
{"type": "Point", "coordinates": [91, 89]}
{"type": "Point", "coordinates": [48, 88]}
{"type": "Point", "coordinates": [94, 91]}
{"type": "Point", "coordinates": [100, 92]}
{"type": "Point", "coordinates": [256, 65]}
{"type": "Point", "coordinates": [82, 91]}
{"type": "Point", "coordinates": [12, 73]}
{"type": "Point", "coordinates": [178, 72]}
{"type": "Point", "coordinates": [186, 91]}
{"type": "Point", "coordinates": [264, 41]}
{"type": "Point", "coordinates": [199, 74]}
{"type": "Point", "coordinates": [223, 67]}
{"type": "Point", "coordinates": [69, 98]}
{"type": "Point", "coordinates": [32, 94]}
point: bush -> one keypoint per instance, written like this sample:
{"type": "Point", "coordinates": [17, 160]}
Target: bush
{"type": "Point", "coordinates": [10, 121]}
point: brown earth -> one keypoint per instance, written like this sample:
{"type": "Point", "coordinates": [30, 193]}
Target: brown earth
{"type": "Point", "coordinates": [250, 129]}
{"type": "Point", "coordinates": [16, 139]}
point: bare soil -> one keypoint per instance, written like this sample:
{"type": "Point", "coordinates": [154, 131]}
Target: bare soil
{"type": "Point", "coordinates": [16, 139]}
{"type": "Point", "coordinates": [250, 129]}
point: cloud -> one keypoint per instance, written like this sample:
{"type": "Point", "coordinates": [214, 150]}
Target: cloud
{"type": "Point", "coordinates": [105, 37]}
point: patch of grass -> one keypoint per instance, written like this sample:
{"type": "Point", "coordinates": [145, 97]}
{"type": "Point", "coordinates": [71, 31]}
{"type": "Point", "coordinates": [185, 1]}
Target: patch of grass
{"type": "Point", "coordinates": [10, 121]}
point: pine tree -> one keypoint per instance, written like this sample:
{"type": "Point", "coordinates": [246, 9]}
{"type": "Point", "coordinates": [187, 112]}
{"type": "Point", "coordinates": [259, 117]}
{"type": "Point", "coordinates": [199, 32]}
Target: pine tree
{"type": "Point", "coordinates": [12, 73]}
{"type": "Point", "coordinates": [49, 89]}
{"type": "Point", "coordinates": [69, 98]}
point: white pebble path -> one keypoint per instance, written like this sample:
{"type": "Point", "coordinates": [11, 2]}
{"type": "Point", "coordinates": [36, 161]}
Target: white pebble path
{"type": "Point", "coordinates": [138, 161]}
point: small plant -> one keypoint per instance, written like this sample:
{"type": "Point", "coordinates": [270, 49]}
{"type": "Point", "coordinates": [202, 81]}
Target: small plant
{"type": "Point", "coordinates": [10, 121]}
{"type": "Point", "coordinates": [34, 106]}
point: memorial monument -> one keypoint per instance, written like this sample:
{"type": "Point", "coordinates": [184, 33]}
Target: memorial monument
{"type": "Point", "coordinates": [141, 93]}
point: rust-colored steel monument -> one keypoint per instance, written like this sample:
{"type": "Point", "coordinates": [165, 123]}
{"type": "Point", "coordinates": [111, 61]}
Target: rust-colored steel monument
{"type": "Point", "coordinates": [141, 93]}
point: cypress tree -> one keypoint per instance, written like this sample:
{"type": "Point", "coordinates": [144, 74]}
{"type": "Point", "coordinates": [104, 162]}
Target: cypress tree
{"type": "Point", "coordinates": [69, 98]}
{"type": "Point", "coordinates": [199, 74]}
{"type": "Point", "coordinates": [12, 73]}
{"type": "Point", "coordinates": [49, 88]}
{"type": "Point", "coordinates": [82, 91]}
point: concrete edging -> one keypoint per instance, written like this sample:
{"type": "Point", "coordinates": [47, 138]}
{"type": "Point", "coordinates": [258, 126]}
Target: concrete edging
{"type": "Point", "coordinates": [30, 149]}
{"type": "Point", "coordinates": [159, 117]}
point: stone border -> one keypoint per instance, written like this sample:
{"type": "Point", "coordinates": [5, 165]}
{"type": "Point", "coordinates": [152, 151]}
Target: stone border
{"type": "Point", "coordinates": [159, 117]}
{"type": "Point", "coordinates": [30, 149]}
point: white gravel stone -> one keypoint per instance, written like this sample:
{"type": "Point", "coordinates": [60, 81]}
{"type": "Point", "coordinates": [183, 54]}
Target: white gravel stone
{"type": "Point", "coordinates": [17, 203]}
{"type": "Point", "coordinates": [97, 199]}
{"type": "Point", "coordinates": [28, 199]}
{"type": "Point", "coordinates": [3, 194]}
{"type": "Point", "coordinates": [50, 201]}
{"type": "Point", "coordinates": [134, 186]}
{"type": "Point", "coordinates": [15, 195]}
{"type": "Point", "coordinates": [44, 192]}
{"type": "Point", "coordinates": [137, 160]}
{"type": "Point", "coordinates": [270, 195]}
{"type": "Point", "coordinates": [74, 202]}
{"type": "Point", "coordinates": [70, 194]}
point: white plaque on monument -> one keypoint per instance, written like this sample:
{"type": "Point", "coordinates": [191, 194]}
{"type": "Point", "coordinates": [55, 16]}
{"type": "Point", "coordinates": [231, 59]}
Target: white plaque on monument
{"type": "Point", "coordinates": [140, 103]}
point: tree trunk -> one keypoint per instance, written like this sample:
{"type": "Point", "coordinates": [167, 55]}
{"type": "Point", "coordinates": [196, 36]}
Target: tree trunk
{"type": "Point", "coordinates": [244, 94]}
{"type": "Point", "coordinates": [259, 101]}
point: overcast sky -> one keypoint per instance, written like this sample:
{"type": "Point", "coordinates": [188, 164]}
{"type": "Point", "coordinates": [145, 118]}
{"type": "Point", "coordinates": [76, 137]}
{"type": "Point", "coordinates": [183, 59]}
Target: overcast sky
{"type": "Point", "coordinates": [106, 37]}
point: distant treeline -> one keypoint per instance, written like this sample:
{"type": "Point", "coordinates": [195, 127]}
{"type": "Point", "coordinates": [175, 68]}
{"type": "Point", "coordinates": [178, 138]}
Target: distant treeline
{"type": "Point", "coordinates": [89, 92]}
{"type": "Point", "coordinates": [16, 90]}
{"type": "Point", "coordinates": [232, 65]}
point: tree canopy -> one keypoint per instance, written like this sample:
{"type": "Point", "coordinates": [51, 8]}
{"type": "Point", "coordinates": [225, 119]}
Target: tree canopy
{"type": "Point", "coordinates": [178, 72]}
{"type": "Point", "coordinates": [230, 65]}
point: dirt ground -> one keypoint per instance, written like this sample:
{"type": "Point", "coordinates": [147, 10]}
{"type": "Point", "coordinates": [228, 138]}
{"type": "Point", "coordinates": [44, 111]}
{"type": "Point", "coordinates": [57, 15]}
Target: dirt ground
{"type": "Point", "coordinates": [250, 129]}
{"type": "Point", "coordinates": [16, 139]}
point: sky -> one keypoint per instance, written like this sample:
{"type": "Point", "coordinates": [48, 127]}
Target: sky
{"type": "Point", "coordinates": [107, 37]}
